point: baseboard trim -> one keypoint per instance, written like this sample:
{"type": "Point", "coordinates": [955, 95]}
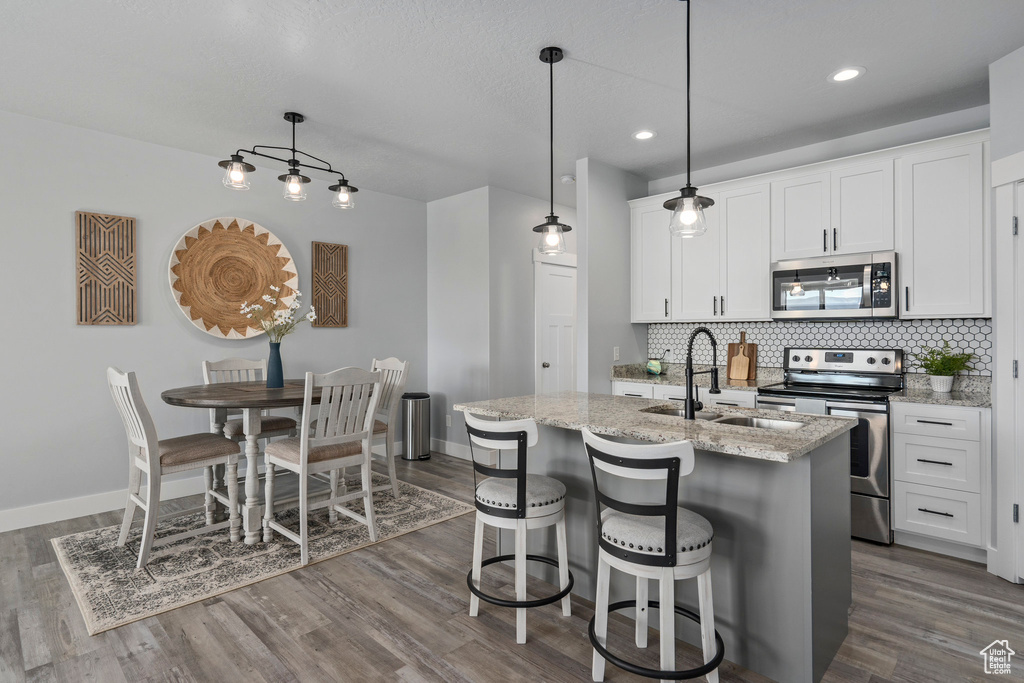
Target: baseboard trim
{"type": "Point", "coordinates": [941, 546]}
{"type": "Point", "coordinates": [69, 508]}
{"type": "Point", "coordinates": [456, 450]}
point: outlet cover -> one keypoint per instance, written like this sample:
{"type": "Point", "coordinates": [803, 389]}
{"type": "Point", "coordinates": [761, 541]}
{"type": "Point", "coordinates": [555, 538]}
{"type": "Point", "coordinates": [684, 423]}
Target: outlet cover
{"type": "Point", "coordinates": [615, 353]}
{"type": "Point", "coordinates": [448, 420]}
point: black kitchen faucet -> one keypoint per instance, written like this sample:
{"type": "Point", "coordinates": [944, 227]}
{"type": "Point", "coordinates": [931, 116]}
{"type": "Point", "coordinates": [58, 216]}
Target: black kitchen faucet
{"type": "Point", "coordinates": [692, 405]}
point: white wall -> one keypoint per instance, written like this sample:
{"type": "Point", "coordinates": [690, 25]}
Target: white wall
{"type": "Point", "coordinates": [603, 274]}
{"type": "Point", "coordinates": [1006, 96]}
{"type": "Point", "coordinates": [480, 300]}
{"type": "Point", "coordinates": [893, 136]}
{"type": "Point", "coordinates": [62, 437]}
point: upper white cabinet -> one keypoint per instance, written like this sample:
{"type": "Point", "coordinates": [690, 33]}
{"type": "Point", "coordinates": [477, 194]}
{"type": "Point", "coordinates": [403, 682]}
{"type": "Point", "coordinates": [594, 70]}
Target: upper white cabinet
{"type": "Point", "coordinates": [941, 233]}
{"type": "Point", "coordinates": [847, 210]}
{"type": "Point", "coordinates": [695, 270]}
{"type": "Point", "coordinates": [651, 263]}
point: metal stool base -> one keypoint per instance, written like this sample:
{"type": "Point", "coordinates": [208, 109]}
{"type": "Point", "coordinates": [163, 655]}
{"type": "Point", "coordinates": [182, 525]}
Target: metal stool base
{"type": "Point", "coordinates": [501, 602]}
{"type": "Point", "coordinates": [684, 674]}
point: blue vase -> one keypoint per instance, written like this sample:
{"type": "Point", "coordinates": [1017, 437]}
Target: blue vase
{"type": "Point", "coordinates": [275, 373]}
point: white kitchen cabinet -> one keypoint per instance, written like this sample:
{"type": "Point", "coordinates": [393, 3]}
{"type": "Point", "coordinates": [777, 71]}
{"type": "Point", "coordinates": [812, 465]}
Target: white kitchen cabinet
{"type": "Point", "coordinates": [632, 389]}
{"type": "Point", "coordinates": [651, 247]}
{"type": "Point", "coordinates": [729, 398]}
{"type": "Point", "coordinates": [847, 210]}
{"type": "Point", "coordinates": [663, 392]}
{"type": "Point", "coordinates": [940, 234]}
{"type": "Point", "coordinates": [744, 289]}
{"type": "Point", "coordinates": [800, 217]}
{"type": "Point", "coordinates": [696, 264]}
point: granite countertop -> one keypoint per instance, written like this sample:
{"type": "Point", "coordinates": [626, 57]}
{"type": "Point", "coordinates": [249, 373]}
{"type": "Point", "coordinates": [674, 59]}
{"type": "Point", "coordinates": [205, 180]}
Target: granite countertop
{"type": "Point", "coordinates": [967, 399]}
{"type": "Point", "coordinates": [675, 375]}
{"type": "Point", "coordinates": [620, 416]}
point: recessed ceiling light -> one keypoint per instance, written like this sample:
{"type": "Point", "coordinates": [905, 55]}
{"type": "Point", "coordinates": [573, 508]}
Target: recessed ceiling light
{"type": "Point", "coordinates": [568, 179]}
{"type": "Point", "coordinates": [644, 134]}
{"type": "Point", "coordinates": [847, 73]}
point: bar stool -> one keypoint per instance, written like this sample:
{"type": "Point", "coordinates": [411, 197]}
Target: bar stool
{"type": "Point", "coordinates": [512, 499]}
{"type": "Point", "coordinates": [635, 538]}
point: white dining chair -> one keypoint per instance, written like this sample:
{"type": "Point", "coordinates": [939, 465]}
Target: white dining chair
{"type": "Point", "coordinates": [339, 438]}
{"type": "Point", "coordinates": [153, 457]}
{"type": "Point", "coordinates": [393, 376]}
{"type": "Point", "coordinates": [244, 370]}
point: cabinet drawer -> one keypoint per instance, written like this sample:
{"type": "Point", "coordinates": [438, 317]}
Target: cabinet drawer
{"type": "Point", "coordinates": [944, 421]}
{"type": "Point", "coordinates": [932, 460]}
{"type": "Point", "coordinates": [669, 393]}
{"type": "Point", "coordinates": [728, 399]}
{"type": "Point", "coordinates": [939, 513]}
{"type": "Point", "coordinates": [633, 389]}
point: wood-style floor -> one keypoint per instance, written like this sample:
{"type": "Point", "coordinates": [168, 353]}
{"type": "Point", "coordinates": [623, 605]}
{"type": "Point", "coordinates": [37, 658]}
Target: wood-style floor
{"type": "Point", "coordinates": [398, 611]}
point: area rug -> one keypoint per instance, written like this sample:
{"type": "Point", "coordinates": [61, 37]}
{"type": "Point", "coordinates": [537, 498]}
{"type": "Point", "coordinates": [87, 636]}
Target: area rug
{"type": "Point", "coordinates": [111, 592]}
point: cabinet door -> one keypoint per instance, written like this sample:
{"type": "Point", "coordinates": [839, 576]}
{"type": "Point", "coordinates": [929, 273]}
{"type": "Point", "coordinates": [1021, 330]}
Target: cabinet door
{"type": "Point", "coordinates": [862, 209]}
{"type": "Point", "coordinates": [695, 271]}
{"type": "Point", "coordinates": [633, 389]}
{"type": "Point", "coordinates": [745, 291]}
{"type": "Point", "coordinates": [651, 263]}
{"type": "Point", "coordinates": [801, 217]}
{"type": "Point", "coordinates": [727, 399]}
{"type": "Point", "coordinates": [941, 234]}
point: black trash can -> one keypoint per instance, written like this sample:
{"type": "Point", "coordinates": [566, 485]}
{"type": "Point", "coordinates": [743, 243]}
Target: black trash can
{"type": "Point", "coordinates": [416, 426]}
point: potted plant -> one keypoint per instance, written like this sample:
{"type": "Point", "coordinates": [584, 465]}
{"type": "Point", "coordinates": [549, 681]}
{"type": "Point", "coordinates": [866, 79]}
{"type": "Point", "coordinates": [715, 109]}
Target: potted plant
{"type": "Point", "coordinates": [942, 365]}
{"type": "Point", "coordinates": [278, 320]}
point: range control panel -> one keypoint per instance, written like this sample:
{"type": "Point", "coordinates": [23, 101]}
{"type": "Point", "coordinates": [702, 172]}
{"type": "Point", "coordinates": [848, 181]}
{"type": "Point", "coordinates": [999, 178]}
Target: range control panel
{"type": "Point", "coordinates": [886, 361]}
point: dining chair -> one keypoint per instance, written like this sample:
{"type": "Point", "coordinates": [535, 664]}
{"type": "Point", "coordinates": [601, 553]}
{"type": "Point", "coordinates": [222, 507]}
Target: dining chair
{"type": "Point", "coordinates": [244, 370]}
{"type": "Point", "coordinates": [340, 437]}
{"type": "Point", "coordinates": [393, 375]}
{"type": "Point", "coordinates": [153, 457]}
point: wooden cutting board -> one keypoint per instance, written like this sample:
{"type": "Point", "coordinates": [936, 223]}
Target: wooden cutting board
{"type": "Point", "coordinates": [741, 363]}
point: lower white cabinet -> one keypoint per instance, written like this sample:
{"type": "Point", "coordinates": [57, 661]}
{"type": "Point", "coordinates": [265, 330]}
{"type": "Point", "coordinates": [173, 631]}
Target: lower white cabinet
{"type": "Point", "coordinates": [669, 393]}
{"type": "Point", "coordinates": [729, 398]}
{"type": "Point", "coordinates": [937, 512]}
{"type": "Point", "coordinates": [931, 460]}
{"type": "Point", "coordinates": [633, 389]}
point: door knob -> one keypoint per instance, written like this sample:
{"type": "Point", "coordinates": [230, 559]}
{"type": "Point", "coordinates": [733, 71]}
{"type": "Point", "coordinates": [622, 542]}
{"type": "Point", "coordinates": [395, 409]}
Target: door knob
{"type": "Point", "coordinates": [545, 365]}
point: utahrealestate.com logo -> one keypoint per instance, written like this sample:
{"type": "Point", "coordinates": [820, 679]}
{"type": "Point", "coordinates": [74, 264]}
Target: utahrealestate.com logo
{"type": "Point", "coordinates": [997, 657]}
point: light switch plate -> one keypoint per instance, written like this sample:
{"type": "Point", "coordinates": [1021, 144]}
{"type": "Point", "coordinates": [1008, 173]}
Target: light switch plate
{"type": "Point", "coordinates": [615, 353]}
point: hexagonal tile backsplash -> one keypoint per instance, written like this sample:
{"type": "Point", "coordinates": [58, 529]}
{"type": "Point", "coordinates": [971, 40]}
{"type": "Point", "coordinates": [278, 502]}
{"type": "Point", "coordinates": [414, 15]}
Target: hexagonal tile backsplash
{"type": "Point", "coordinates": [971, 334]}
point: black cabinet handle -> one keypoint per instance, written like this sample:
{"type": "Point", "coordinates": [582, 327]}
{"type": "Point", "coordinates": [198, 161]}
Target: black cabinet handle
{"type": "Point", "coordinates": [935, 462]}
{"type": "Point", "coordinates": [933, 512]}
{"type": "Point", "coordinates": [906, 299]}
{"type": "Point", "coordinates": [935, 422]}
{"type": "Point", "coordinates": [723, 305]}
{"type": "Point", "coordinates": [634, 395]}
{"type": "Point", "coordinates": [726, 403]}
{"type": "Point", "coordinates": [835, 239]}
{"type": "Point", "coordinates": [676, 398]}
{"type": "Point", "coordinates": [666, 308]}
{"type": "Point", "coordinates": [714, 302]}
{"type": "Point", "coordinates": [824, 241]}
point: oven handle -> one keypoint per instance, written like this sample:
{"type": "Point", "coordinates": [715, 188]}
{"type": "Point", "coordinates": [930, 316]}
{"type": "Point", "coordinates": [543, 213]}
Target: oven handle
{"type": "Point", "coordinates": [859, 407]}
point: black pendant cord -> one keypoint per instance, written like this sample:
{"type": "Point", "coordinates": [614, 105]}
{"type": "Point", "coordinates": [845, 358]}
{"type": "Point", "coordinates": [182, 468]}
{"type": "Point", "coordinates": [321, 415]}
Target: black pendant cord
{"type": "Point", "coordinates": [687, 92]}
{"type": "Point", "coordinates": [551, 129]}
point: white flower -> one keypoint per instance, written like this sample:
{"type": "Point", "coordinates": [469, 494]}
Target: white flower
{"type": "Point", "coordinates": [297, 293]}
{"type": "Point", "coordinates": [276, 289]}
{"type": "Point", "coordinates": [249, 316]}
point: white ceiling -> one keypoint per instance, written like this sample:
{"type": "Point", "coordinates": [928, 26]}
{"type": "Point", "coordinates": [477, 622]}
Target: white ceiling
{"type": "Point", "coordinates": [428, 98]}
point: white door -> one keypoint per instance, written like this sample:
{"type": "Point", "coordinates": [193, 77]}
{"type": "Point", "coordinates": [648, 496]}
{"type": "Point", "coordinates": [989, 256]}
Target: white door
{"type": "Point", "coordinates": [941, 234]}
{"type": "Point", "coordinates": [695, 271]}
{"type": "Point", "coordinates": [555, 311]}
{"type": "Point", "coordinates": [651, 263]}
{"type": "Point", "coordinates": [745, 292]}
{"type": "Point", "coordinates": [801, 217]}
{"type": "Point", "coordinates": [862, 208]}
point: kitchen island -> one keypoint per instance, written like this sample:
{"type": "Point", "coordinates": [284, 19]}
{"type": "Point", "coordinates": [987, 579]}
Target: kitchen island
{"type": "Point", "coordinates": [778, 500]}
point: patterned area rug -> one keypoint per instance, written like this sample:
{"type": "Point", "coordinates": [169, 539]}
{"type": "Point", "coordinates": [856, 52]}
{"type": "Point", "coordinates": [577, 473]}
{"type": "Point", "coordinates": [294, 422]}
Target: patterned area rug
{"type": "Point", "coordinates": [111, 592]}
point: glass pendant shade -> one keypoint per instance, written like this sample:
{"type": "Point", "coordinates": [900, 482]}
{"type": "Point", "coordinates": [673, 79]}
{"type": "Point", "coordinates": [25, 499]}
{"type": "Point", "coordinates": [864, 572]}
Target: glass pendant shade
{"type": "Point", "coordinates": [688, 213]}
{"type": "Point", "coordinates": [294, 185]}
{"type": "Point", "coordinates": [236, 172]}
{"type": "Point", "coordinates": [343, 195]}
{"type": "Point", "coordinates": [552, 236]}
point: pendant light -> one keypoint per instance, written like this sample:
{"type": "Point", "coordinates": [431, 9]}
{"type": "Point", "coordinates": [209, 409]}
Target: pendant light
{"type": "Point", "coordinates": [688, 208]}
{"type": "Point", "coordinates": [236, 170]}
{"type": "Point", "coordinates": [552, 233]}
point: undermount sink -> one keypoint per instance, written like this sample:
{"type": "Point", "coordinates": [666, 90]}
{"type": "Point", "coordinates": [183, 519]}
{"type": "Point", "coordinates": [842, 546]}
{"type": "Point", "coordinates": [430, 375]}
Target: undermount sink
{"type": "Point", "coordinates": [759, 422]}
{"type": "Point", "coordinates": [679, 412]}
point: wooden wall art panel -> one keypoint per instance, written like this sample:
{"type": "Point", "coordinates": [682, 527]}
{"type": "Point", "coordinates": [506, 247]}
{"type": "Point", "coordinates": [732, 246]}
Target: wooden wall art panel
{"type": "Point", "coordinates": [222, 263]}
{"type": "Point", "coordinates": [105, 247]}
{"type": "Point", "coordinates": [330, 284]}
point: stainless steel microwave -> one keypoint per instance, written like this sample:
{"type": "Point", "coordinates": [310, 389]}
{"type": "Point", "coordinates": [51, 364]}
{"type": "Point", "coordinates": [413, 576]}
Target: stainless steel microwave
{"type": "Point", "coordinates": [836, 287]}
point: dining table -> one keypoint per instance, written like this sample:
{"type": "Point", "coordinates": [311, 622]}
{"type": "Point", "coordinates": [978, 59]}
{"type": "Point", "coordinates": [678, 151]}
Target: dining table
{"type": "Point", "coordinates": [251, 399]}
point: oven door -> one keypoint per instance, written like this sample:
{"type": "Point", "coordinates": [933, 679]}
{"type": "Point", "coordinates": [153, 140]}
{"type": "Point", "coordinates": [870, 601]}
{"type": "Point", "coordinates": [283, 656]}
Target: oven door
{"type": "Point", "coordinates": [854, 286]}
{"type": "Point", "coordinates": [869, 446]}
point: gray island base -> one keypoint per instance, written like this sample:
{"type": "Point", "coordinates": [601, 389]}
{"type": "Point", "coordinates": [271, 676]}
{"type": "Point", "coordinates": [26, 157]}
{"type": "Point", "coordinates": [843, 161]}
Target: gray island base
{"type": "Point", "coordinates": [778, 501]}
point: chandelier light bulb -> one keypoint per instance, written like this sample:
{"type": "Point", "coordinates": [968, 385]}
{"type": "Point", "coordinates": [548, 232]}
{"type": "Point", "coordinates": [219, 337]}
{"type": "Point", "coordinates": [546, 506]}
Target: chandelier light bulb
{"type": "Point", "coordinates": [235, 173]}
{"type": "Point", "coordinates": [294, 190]}
{"type": "Point", "coordinates": [343, 195]}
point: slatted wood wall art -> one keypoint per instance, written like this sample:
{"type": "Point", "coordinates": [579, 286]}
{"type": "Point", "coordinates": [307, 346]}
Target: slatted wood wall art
{"type": "Point", "coordinates": [105, 248]}
{"type": "Point", "coordinates": [222, 263]}
{"type": "Point", "coordinates": [330, 284]}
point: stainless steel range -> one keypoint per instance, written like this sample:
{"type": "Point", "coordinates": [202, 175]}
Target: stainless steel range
{"type": "Point", "coordinates": [849, 383]}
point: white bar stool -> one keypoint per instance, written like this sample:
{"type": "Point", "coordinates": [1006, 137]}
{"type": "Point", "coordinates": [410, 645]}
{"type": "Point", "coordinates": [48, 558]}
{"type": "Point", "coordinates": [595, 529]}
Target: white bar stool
{"type": "Point", "coordinates": [512, 499]}
{"type": "Point", "coordinates": [663, 542]}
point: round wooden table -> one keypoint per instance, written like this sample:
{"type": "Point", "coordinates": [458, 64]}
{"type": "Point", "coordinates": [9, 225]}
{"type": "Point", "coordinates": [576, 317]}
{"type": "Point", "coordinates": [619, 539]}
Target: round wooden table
{"type": "Point", "coordinates": [251, 398]}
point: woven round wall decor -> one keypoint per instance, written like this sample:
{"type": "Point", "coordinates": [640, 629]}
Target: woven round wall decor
{"type": "Point", "coordinates": [223, 262]}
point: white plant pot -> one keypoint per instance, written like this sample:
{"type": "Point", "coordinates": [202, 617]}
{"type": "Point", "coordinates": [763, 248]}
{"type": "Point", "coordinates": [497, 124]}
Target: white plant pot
{"type": "Point", "coordinates": [941, 384]}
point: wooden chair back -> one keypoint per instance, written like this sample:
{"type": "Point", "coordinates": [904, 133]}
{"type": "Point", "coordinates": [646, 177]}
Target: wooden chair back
{"type": "Point", "coordinates": [393, 376]}
{"type": "Point", "coordinates": [138, 423]}
{"type": "Point", "coordinates": [233, 370]}
{"type": "Point", "coordinates": [667, 462]}
{"type": "Point", "coordinates": [348, 404]}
